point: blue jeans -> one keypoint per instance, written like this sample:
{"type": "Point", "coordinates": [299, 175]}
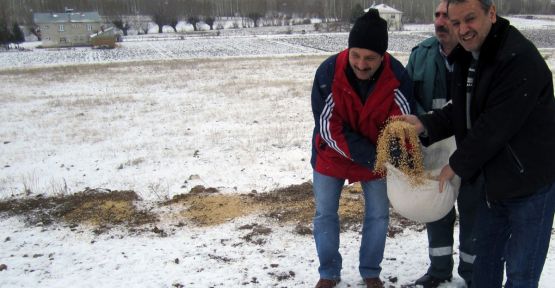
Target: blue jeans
{"type": "Point", "coordinates": [327, 191]}
{"type": "Point", "coordinates": [516, 233]}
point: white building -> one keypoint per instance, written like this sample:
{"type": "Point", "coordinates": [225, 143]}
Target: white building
{"type": "Point", "coordinates": [68, 28]}
{"type": "Point", "coordinates": [389, 14]}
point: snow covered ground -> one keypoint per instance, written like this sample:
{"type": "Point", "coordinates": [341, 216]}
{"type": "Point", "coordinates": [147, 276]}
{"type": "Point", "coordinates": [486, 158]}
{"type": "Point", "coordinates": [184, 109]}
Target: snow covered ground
{"type": "Point", "coordinates": [159, 117]}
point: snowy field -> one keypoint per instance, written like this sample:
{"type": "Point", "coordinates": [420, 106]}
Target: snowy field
{"type": "Point", "coordinates": [191, 47]}
{"type": "Point", "coordinates": [160, 117]}
{"type": "Point", "coordinates": [264, 41]}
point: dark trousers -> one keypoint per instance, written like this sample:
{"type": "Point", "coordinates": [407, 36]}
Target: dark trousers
{"type": "Point", "coordinates": [440, 235]}
{"type": "Point", "coordinates": [513, 234]}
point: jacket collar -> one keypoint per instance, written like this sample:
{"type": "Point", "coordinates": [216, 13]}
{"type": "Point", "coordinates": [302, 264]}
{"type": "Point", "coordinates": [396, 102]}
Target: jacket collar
{"type": "Point", "coordinates": [458, 54]}
{"type": "Point", "coordinates": [494, 40]}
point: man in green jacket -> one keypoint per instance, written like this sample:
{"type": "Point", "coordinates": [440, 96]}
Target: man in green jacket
{"type": "Point", "coordinates": [429, 66]}
{"type": "Point", "coordinates": [430, 69]}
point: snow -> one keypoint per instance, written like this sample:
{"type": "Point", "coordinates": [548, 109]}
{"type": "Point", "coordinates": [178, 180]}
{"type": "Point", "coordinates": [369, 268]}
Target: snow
{"type": "Point", "coordinates": [533, 22]}
{"type": "Point", "coordinates": [62, 258]}
{"type": "Point", "coordinates": [159, 117]}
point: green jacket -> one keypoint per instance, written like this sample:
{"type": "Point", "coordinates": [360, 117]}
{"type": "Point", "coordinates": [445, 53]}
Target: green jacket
{"type": "Point", "coordinates": [426, 67]}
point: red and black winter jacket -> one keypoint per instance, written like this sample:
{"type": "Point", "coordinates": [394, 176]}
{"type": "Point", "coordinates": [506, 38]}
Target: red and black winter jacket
{"type": "Point", "coordinates": [346, 130]}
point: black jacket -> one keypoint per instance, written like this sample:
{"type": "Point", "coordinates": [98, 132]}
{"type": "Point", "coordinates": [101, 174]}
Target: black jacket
{"type": "Point", "coordinates": [512, 139]}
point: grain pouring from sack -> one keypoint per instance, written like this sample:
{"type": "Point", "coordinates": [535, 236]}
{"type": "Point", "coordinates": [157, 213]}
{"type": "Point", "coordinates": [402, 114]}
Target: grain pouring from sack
{"type": "Point", "coordinates": [410, 160]}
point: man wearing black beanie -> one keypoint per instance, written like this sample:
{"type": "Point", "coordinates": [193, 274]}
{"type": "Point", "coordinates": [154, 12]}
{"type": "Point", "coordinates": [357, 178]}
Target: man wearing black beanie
{"type": "Point", "coordinates": [354, 93]}
{"type": "Point", "coordinates": [369, 32]}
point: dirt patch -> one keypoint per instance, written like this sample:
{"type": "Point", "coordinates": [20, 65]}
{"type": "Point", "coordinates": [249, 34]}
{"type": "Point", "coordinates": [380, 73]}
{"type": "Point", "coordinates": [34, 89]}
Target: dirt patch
{"type": "Point", "coordinates": [291, 205]}
{"type": "Point", "coordinates": [206, 207]}
{"type": "Point", "coordinates": [295, 204]}
{"type": "Point", "coordinates": [97, 207]}
{"type": "Point", "coordinates": [103, 209]}
{"type": "Point", "coordinates": [209, 210]}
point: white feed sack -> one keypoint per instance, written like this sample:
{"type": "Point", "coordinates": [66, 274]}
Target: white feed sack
{"type": "Point", "coordinates": [423, 202]}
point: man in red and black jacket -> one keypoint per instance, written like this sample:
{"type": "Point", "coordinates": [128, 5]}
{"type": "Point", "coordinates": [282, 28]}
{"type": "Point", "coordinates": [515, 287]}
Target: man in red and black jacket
{"type": "Point", "coordinates": [354, 93]}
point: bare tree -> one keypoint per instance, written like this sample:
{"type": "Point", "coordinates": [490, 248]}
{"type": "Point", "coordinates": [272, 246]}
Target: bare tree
{"type": "Point", "coordinates": [5, 34]}
{"type": "Point", "coordinates": [17, 35]}
{"type": "Point", "coordinates": [122, 25]}
{"type": "Point", "coordinates": [356, 12]}
{"type": "Point", "coordinates": [35, 30]}
{"type": "Point", "coordinates": [210, 21]}
{"type": "Point", "coordinates": [165, 13]}
{"type": "Point", "coordinates": [255, 17]}
{"type": "Point", "coordinates": [193, 20]}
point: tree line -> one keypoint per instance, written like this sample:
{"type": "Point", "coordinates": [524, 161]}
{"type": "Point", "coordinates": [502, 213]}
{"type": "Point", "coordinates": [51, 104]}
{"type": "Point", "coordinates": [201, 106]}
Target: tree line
{"type": "Point", "coordinates": [9, 34]}
{"type": "Point", "coordinates": [414, 10]}
{"type": "Point", "coordinates": [272, 12]}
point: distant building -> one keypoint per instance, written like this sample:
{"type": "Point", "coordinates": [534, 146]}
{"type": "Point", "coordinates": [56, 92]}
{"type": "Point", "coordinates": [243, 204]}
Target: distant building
{"type": "Point", "coordinates": [389, 14]}
{"type": "Point", "coordinates": [68, 28]}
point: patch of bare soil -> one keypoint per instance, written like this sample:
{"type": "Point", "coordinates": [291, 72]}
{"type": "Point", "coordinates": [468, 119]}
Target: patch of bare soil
{"type": "Point", "coordinates": [97, 207]}
{"type": "Point", "coordinates": [295, 204]}
{"type": "Point", "coordinates": [103, 209]}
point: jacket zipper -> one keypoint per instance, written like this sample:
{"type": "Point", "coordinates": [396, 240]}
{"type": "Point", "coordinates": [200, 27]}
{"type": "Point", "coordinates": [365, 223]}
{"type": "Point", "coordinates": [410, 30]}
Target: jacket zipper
{"type": "Point", "coordinates": [483, 183]}
{"type": "Point", "coordinates": [515, 158]}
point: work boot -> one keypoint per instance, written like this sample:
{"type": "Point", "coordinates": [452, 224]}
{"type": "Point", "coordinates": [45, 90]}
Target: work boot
{"type": "Point", "coordinates": [326, 283]}
{"type": "Point", "coordinates": [373, 282]}
{"type": "Point", "coordinates": [429, 281]}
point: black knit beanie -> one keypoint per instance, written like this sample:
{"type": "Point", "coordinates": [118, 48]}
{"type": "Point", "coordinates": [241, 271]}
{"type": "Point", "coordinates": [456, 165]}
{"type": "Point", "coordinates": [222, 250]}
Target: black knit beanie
{"type": "Point", "coordinates": [369, 32]}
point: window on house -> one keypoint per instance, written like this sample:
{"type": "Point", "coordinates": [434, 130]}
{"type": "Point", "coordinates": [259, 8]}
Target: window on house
{"type": "Point", "coordinates": [63, 40]}
{"type": "Point", "coordinates": [61, 28]}
{"type": "Point", "coordinates": [393, 16]}
{"type": "Point", "coordinates": [89, 27]}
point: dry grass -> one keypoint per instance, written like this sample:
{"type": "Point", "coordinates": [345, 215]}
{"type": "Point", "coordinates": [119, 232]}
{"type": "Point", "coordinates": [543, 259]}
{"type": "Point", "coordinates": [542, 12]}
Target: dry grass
{"type": "Point", "coordinates": [84, 102]}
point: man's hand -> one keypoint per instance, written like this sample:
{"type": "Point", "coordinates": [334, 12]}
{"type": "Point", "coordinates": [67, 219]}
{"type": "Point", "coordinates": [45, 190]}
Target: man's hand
{"type": "Point", "coordinates": [413, 120]}
{"type": "Point", "coordinates": [445, 175]}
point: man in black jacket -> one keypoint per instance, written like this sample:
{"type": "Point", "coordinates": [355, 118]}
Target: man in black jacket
{"type": "Point", "coordinates": [503, 117]}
